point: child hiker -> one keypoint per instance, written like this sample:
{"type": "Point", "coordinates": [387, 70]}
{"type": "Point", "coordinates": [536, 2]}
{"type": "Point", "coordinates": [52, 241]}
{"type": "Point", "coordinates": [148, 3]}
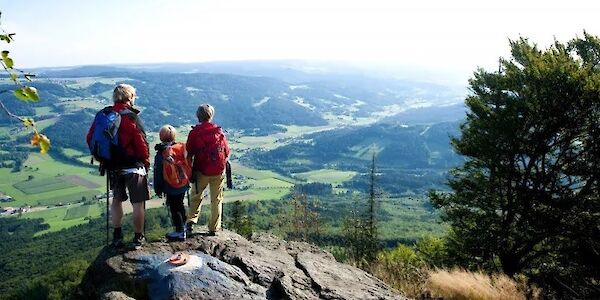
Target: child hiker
{"type": "Point", "coordinates": [172, 169]}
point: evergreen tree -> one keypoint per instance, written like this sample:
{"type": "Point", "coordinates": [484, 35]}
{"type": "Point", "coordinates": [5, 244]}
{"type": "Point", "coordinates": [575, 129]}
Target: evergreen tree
{"type": "Point", "coordinates": [372, 230]}
{"type": "Point", "coordinates": [526, 199]}
{"type": "Point", "coordinates": [361, 229]}
{"type": "Point", "coordinates": [240, 221]}
{"type": "Point", "coordinates": [237, 213]}
{"type": "Point", "coordinates": [354, 233]}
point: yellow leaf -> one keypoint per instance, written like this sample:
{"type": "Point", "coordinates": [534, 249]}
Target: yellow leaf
{"type": "Point", "coordinates": [28, 122]}
{"type": "Point", "coordinates": [42, 141]}
{"type": "Point", "coordinates": [35, 139]}
{"type": "Point", "coordinates": [44, 144]}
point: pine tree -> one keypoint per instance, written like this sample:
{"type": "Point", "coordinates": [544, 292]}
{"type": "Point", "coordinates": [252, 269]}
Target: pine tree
{"type": "Point", "coordinates": [372, 230]}
{"type": "Point", "coordinates": [361, 229]}
{"type": "Point", "coordinates": [240, 221]}
{"type": "Point", "coordinates": [527, 198]}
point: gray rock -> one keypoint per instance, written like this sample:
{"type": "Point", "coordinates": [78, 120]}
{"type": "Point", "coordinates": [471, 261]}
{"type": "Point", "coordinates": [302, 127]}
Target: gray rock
{"type": "Point", "coordinates": [228, 266]}
{"type": "Point", "coordinates": [116, 296]}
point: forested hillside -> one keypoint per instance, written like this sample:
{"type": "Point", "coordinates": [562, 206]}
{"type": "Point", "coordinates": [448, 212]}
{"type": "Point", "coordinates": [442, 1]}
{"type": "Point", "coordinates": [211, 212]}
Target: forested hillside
{"type": "Point", "coordinates": [409, 157]}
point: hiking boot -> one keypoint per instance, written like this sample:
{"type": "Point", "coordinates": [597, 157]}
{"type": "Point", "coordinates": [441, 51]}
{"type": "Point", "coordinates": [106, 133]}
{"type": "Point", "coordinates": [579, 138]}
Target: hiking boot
{"type": "Point", "coordinates": [117, 242]}
{"type": "Point", "coordinates": [211, 233]}
{"type": "Point", "coordinates": [176, 236]}
{"type": "Point", "coordinates": [189, 228]}
{"type": "Point", "coordinates": [138, 241]}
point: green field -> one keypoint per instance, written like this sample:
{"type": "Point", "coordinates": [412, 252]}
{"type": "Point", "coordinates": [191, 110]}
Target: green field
{"type": "Point", "coordinates": [335, 177]}
{"type": "Point", "coordinates": [70, 198]}
{"type": "Point", "coordinates": [83, 82]}
{"type": "Point", "coordinates": [365, 152]}
{"type": "Point", "coordinates": [37, 186]}
{"type": "Point", "coordinates": [77, 212]}
{"type": "Point", "coordinates": [256, 174]}
{"type": "Point", "coordinates": [44, 110]}
{"type": "Point", "coordinates": [65, 216]}
{"type": "Point", "coordinates": [43, 124]}
{"type": "Point", "coordinates": [43, 167]}
{"type": "Point", "coordinates": [75, 153]}
{"type": "Point", "coordinates": [75, 105]}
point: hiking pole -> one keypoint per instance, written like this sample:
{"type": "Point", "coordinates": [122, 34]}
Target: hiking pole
{"type": "Point", "coordinates": [107, 206]}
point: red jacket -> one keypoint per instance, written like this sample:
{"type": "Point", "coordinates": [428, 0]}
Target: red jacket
{"type": "Point", "coordinates": [201, 140]}
{"type": "Point", "coordinates": [132, 137]}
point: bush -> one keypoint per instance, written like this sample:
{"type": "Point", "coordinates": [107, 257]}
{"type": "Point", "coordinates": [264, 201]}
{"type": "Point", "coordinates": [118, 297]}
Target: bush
{"type": "Point", "coordinates": [402, 268]}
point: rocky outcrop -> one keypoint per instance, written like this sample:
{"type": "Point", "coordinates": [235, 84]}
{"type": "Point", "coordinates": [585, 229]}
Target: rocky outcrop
{"type": "Point", "coordinates": [228, 266]}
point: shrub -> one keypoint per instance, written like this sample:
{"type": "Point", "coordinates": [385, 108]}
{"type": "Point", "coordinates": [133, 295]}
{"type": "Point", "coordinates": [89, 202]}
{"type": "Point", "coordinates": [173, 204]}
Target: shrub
{"type": "Point", "coordinates": [460, 284]}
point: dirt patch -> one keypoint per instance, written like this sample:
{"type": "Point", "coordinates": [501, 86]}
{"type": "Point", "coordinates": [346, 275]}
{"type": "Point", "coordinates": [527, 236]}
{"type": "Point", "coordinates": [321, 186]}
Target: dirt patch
{"type": "Point", "coordinates": [80, 181]}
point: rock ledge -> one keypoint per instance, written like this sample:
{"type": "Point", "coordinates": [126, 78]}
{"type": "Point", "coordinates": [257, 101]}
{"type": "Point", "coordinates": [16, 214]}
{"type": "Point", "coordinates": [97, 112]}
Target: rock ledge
{"type": "Point", "coordinates": [228, 266]}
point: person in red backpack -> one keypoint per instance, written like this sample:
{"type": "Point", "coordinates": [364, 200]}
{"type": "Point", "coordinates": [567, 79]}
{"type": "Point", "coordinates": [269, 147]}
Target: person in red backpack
{"type": "Point", "coordinates": [175, 194]}
{"type": "Point", "coordinates": [208, 146]}
{"type": "Point", "coordinates": [128, 169]}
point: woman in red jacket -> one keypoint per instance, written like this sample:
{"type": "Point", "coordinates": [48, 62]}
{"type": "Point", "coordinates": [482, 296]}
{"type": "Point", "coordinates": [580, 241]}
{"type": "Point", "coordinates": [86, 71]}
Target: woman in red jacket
{"type": "Point", "coordinates": [208, 147]}
{"type": "Point", "coordinates": [128, 169]}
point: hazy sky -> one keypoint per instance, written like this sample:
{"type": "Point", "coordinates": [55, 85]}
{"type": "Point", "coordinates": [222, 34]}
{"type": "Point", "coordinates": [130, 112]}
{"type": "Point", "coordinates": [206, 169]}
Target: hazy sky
{"type": "Point", "coordinates": [446, 35]}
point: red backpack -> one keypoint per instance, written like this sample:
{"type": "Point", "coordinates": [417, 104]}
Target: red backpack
{"type": "Point", "coordinates": [213, 154]}
{"type": "Point", "coordinates": [177, 168]}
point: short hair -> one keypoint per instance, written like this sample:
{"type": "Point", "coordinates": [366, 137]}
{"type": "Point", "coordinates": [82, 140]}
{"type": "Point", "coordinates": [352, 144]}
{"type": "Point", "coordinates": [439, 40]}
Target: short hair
{"type": "Point", "coordinates": [205, 112]}
{"type": "Point", "coordinates": [123, 93]}
{"type": "Point", "coordinates": [167, 133]}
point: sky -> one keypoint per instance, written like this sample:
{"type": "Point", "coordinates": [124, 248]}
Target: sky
{"type": "Point", "coordinates": [450, 36]}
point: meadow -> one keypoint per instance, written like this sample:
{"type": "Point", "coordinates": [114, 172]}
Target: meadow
{"type": "Point", "coordinates": [44, 181]}
{"type": "Point", "coordinates": [335, 177]}
{"type": "Point", "coordinates": [62, 217]}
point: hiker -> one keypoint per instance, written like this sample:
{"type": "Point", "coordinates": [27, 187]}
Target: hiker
{"type": "Point", "coordinates": [172, 171]}
{"type": "Point", "coordinates": [207, 145]}
{"type": "Point", "coordinates": [127, 168]}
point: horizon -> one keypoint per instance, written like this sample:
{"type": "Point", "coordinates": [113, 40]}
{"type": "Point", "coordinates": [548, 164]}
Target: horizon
{"type": "Point", "coordinates": [456, 38]}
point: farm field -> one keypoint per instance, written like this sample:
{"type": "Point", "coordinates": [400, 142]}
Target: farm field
{"type": "Point", "coordinates": [65, 216]}
{"type": "Point", "coordinates": [43, 181]}
{"type": "Point", "coordinates": [335, 177]}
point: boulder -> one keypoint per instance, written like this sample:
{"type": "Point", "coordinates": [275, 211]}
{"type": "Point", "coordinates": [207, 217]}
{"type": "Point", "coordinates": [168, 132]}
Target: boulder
{"type": "Point", "coordinates": [228, 266]}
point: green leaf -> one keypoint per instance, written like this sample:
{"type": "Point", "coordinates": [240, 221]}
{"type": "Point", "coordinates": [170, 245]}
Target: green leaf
{"type": "Point", "coordinates": [31, 93]}
{"type": "Point", "coordinates": [20, 94]}
{"type": "Point", "coordinates": [13, 77]}
{"type": "Point", "coordinates": [5, 37]}
{"type": "Point", "coordinates": [8, 62]}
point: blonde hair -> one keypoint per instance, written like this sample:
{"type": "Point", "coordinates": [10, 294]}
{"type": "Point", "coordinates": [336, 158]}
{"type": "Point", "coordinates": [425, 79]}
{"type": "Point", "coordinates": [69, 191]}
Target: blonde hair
{"type": "Point", "coordinates": [123, 93]}
{"type": "Point", "coordinates": [167, 133]}
{"type": "Point", "coordinates": [205, 112]}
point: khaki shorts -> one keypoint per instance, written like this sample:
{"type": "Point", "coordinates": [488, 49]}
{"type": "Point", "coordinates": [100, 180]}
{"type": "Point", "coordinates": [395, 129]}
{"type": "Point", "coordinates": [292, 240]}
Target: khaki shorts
{"type": "Point", "coordinates": [135, 184]}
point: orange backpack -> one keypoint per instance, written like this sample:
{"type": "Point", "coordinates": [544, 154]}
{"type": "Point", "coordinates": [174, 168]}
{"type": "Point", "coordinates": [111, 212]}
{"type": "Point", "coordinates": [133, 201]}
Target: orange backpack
{"type": "Point", "coordinates": [177, 168]}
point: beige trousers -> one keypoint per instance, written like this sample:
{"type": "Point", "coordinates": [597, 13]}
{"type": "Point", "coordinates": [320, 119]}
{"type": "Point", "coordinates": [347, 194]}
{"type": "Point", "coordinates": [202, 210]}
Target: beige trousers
{"type": "Point", "coordinates": [215, 187]}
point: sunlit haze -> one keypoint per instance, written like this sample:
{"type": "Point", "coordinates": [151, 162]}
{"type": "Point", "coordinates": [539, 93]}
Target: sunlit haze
{"type": "Point", "coordinates": [449, 36]}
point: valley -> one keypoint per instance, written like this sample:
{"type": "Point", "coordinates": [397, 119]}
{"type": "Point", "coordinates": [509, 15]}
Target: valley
{"type": "Point", "coordinates": [281, 133]}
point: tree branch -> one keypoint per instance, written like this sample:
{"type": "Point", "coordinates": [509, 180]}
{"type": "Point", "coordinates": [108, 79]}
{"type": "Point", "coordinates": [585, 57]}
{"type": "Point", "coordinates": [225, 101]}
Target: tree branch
{"type": "Point", "coordinates": [8, 112]}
